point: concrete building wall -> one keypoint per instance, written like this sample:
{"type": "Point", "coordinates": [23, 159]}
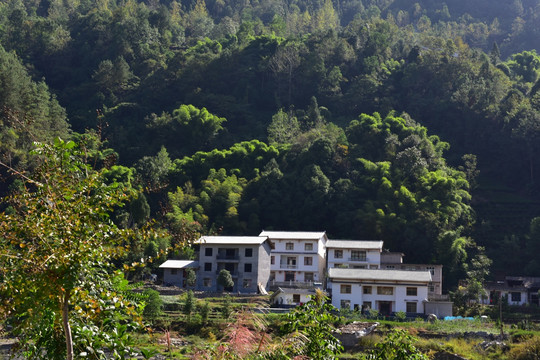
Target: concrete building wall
{"type": "Point", "coordinates": [439, 308]}
{"type": "Point", "coordinates": [373, 259]}
{"type": "Point", "coordinates": [173, 277]}
{"type": "Point", "coordinates": [397, 301]}
{"type": "Point", "coordinates": [263, 265]}
{"type": "Point", "coordinates": [248, 265]}
{"type": "Point", "coordinates": [293, 260]}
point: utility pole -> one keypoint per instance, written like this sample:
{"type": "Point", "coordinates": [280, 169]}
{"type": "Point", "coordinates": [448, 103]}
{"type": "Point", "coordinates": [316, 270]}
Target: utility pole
{"type": "Point", "coordinates": [500, 315]}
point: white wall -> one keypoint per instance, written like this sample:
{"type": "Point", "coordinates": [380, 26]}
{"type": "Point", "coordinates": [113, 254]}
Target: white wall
{"type": "Point", "coordinates": [399, 298]}
{"type": "Point", "coordinates": [287, 299]}
{"type": "Point", "coordinates": [373, 257]}
{"type": "Point", "coordinates": [281, 254]}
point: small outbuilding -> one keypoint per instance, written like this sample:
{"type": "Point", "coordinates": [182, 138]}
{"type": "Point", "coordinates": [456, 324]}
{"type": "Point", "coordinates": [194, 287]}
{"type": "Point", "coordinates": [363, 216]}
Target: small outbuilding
{"type": "Point", "coordinates": [289, 297]}
{"type": "Point", "coordinates": [175, 271]}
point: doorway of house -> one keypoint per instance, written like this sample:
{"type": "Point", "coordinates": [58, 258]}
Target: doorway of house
{"type": "Point", "coordinates": [385, 307]}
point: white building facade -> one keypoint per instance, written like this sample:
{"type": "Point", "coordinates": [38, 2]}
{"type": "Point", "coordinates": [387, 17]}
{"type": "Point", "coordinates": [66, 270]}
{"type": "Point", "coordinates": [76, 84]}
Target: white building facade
{"type": "Point", "coordinates": [387, 291]}
{"type": "Point", "coordinates": [354, 254]}
{"type": "Point", "coordinates": [298, 258]}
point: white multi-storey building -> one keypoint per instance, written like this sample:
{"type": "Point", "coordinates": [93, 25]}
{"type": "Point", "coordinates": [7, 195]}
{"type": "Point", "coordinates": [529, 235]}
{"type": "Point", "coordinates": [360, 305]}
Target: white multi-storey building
{"type": "Point", "coordinates": [298, 258]}
{"type": "Point", "coordinates": [386, 291]}
{"type": "Point", "coordinates": [354, 254]}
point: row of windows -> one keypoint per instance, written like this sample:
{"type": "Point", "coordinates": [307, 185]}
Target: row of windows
{"type": "Point", "coordinates": [246, 283]}
{"type": "Point", "coordinates": [308, 260]}
{"type": "Point", "coordinates": [247, 267]}
{"type": "Point", "coordinates": [291, 276]}
{"type": "Point", "coordinates": [381, 290]}
{"type": "Point", "coordinates": [410, 306]}
{"type": "Point", "coordinates": [228, 252]}
{"type": "Point", "coordinates": [356, 255]}
{"type": "Point", "coordinates": [307, 246]}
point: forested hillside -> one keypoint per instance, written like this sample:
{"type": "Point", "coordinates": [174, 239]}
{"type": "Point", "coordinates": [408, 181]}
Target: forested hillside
{"type": "Point", "coordinates": [417, 124]}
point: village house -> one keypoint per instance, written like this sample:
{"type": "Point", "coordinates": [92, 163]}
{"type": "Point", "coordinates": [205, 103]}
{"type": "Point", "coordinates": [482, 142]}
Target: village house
{"type": "Point", "coordinates": [175, 271]}
{"type": "Point", "coordinates": [516, 290]}
{"type": "Point", "coordinates": [298, 258]}
{"type": "Point", "coordinates": [354, 254]}
{"type": "Point", "coordinates": [357, 274]}
{"type": "Point", "coordinates": [386, 291]}
{"type": "Point", "coordinates": [288, 297]}
{"type": "Point", "coordinates": [246, 258]}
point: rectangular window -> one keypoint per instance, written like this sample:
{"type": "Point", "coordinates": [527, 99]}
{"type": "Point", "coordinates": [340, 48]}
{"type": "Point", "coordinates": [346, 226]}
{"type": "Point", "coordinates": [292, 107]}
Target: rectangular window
{"type": "Point", "coordinates": [338, 254]}
{"type": "Point", "coordinates": [289, 246]}
{"type": "Point", "coordinates": [412, 291]}
{"type": "Point", "coordinates": [516, 296]}
{"type": "Point", "coordinates": [207, 266]}
{"type": "Point", "coordinates": [289, 276]}
{"type": "Point", "coordinates": [174, 271]}
{"type": "Point", "coordinates": [358, 255]}
{"type": "Point", "coordinates": [345, 304]}
{"type": "Point", "coordinates": [385, 290]}
{"type": "Point", "coordinates": [207, 282]}
{"type": "Point", "coordinates": [345, 289]}
{"type": "Point", "coordinates": [308, 247]}
{"type": "Point", "coordinates": [246, 283]}
{"type": "Point", "coordinates": [431, 288]}
{"type": "Point", "coordinates": [208, 252]}
{"type": "Point", "coordinates": [272, 260]}
{"type": "Point", "coordinates": [296, 298]}
{"type": "Point", "coordinates": [411, 307]}
{"type": "Point", "coordinates": [308, 260]}
{"type": "Point", "coordinates": [249, 252]}
{"type": "Point", "coordinates": [308, 277]}
{"type": "Point", "coordinates": [247, 267]}
{"type": "Point", "coordinates": [367, 289]}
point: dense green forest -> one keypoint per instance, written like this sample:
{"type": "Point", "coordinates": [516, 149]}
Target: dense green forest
{"type": "Point", "coordinates": [417, 124]}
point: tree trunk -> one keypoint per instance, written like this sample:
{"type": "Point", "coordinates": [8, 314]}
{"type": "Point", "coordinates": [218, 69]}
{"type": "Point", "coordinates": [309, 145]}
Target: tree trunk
{"type": "Point", "coordinates": [67, 328]}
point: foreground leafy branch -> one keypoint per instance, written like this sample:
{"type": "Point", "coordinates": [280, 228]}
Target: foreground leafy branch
{"type": "Point", "coordinates": [56, 249]}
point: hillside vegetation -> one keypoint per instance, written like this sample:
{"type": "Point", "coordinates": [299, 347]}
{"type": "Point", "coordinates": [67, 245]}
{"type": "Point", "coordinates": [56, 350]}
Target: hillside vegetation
{"type": "Point", "coordinates": [415, 124]}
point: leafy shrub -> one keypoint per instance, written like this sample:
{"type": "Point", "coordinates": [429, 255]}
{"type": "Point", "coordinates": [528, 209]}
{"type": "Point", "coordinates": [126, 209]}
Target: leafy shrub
{"type": "Point", "coordinates": [154, 305]}
{"type": "Point", "coordinates": [529, 350]}
{"type": "Point", "coordinates": [397, 345]}
{"type": "Point", "coordinates": [519, 336]}
{"type": "Point", "coordinates": [400, 316]}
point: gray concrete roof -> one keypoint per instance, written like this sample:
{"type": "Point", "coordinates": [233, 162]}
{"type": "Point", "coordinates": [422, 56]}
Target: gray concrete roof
{"type": "Point", "coordinates": [355, 244]}
{"type": "Point", "coordinates": [179, 264]}
{"type": "Point", "coordinates": [294, 235]}
{"type": "Point", "coordinates": [380, 275]}
{"type": "Point", "coordinates": [230, 240]}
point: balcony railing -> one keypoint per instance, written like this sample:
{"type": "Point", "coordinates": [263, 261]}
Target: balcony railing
{"type": "Point", "coordinates": [288, 266]}
{"type": "Point", "coordinates": [227, 257]}
{"type": "Point", "coordinates": [358, 258]}
{"type": "Point", "coordinates": [273, 285]}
